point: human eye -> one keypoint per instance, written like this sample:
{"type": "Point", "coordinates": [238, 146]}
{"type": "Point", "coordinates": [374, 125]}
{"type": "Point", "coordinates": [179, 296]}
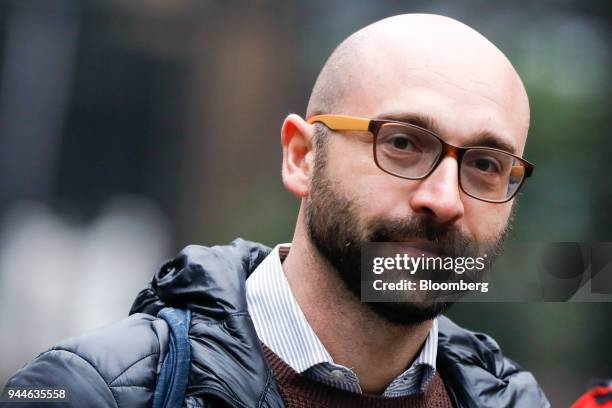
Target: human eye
{"type": "Point", "coordinates": [485, 164]}
{"type": "Point", "coordinates": [401, 143]}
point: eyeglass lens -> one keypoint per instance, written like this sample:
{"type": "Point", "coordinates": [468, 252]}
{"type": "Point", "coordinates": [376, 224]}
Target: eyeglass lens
{"type": "Point", "coordinates": [411, 153]}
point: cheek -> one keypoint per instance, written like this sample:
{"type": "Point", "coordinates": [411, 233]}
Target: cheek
{"type": "Point", "coordinates": [486, 221]}
{"type": "Point", "coordinates": [373, 192]}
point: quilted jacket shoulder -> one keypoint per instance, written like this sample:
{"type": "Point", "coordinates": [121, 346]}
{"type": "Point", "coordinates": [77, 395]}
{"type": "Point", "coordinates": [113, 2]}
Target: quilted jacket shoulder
{"type": "Point", "coordinates": [113, 366]}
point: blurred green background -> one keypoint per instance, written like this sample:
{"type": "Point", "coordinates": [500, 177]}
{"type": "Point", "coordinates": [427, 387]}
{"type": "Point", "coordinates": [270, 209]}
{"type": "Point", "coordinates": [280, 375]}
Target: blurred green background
{"type": "Point", "coordinates": [129, 129]}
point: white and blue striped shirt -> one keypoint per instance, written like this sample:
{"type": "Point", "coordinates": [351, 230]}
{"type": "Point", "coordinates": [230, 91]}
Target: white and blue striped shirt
{"type": "Point", "coordinates": [283, 328]}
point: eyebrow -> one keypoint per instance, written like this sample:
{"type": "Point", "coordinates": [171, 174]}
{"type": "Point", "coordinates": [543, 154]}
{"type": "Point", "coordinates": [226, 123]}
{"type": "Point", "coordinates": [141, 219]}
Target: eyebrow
{"type": "Point", "coordinates": [482, 139]}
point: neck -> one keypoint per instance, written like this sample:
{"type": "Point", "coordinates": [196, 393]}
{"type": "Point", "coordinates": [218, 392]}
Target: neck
{"type": "Point", "coordinates": [352, 333]}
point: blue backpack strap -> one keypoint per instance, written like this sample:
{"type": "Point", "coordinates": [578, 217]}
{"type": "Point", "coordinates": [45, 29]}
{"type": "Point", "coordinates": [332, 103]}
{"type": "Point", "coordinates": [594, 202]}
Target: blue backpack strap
{"type": "Point", "coordinates": [174, 372]}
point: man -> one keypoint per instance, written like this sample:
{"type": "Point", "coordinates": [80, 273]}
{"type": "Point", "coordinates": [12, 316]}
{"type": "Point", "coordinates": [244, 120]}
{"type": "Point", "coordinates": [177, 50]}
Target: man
{"type": "Point", "coordinates": [375, 160]}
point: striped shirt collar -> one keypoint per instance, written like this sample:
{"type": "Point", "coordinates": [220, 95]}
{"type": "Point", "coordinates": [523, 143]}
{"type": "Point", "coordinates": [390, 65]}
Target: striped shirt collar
{"type": "Point", "coordinates": [283, 328]}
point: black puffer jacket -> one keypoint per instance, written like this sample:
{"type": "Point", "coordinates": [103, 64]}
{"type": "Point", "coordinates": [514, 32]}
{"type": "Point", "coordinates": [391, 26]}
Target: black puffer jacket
{"type": "Point", "coordinates": [117, 365]}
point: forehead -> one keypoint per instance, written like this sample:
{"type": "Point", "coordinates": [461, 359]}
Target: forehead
{"type": "Point", "coordinates": [465, 95]}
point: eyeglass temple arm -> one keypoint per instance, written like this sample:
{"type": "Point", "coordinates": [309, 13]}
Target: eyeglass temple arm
{"type": "Point", "coordinates": [341, 122]}
{"type": "Point", "coordinates": [521, 170]}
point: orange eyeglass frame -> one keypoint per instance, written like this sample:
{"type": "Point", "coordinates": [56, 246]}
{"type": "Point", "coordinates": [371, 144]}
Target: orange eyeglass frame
{"type": "Point", "coordinates": [352, 123]}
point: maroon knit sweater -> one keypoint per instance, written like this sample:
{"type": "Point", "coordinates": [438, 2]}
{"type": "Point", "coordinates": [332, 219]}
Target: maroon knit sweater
{"type": "Point", "coordinates": [299, 391]}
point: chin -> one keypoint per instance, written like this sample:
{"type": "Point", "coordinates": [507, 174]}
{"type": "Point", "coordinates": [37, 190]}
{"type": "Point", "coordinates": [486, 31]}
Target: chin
{"type": "Point", "coordinates": [408, 313]}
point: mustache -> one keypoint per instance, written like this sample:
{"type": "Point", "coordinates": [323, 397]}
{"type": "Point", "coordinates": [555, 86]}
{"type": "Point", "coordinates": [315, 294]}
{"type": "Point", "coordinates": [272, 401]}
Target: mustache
{"type": "Point", "coordinates": [447, 239]}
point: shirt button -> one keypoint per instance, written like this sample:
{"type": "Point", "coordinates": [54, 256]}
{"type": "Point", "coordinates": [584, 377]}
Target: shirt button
{"type": "Point", "coordinates": [337, 374]}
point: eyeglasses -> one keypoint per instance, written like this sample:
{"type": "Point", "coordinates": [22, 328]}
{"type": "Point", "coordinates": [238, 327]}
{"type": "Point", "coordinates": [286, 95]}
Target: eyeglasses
{"type": "Point", "coordinates": [411, 152]}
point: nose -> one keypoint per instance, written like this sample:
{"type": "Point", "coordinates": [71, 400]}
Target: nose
{"type": "Point", "coordinates": [438, 196]}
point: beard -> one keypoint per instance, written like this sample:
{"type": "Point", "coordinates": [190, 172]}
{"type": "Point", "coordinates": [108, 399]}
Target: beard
{"type": "Point", "coordinates": [338, 235]}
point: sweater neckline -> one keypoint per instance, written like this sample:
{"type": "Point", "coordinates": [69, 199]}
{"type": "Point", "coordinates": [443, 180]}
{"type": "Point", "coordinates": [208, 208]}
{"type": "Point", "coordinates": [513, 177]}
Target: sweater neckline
{"type": "Point", "coordinates": [310, 389]}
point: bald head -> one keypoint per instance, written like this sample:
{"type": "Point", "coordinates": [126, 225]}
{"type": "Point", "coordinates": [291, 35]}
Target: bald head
{"type": "Point", "coordinates": [380, 64]}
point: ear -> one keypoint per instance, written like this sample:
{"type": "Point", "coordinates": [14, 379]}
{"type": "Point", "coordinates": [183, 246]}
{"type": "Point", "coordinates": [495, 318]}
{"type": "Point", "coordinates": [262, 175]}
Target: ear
{"type": "Point", "coordinates": [297, 138]}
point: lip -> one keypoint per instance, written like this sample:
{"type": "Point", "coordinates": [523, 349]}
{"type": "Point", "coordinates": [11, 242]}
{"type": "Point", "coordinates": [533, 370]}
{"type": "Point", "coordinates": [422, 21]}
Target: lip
{"type": "Point", "coordinates": [426, 248]}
